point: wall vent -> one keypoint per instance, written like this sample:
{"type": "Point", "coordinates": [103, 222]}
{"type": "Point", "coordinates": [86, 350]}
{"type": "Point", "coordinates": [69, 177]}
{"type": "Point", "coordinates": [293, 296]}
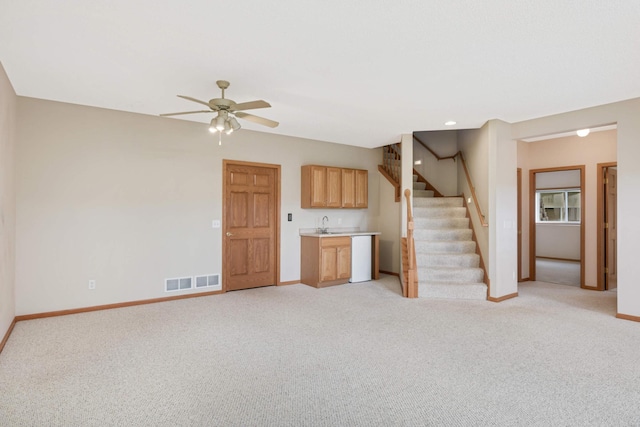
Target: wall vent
{"type": "Point", "coordinates": [178, 284]}
{"type": "Point", "coordinates": [208, 280]}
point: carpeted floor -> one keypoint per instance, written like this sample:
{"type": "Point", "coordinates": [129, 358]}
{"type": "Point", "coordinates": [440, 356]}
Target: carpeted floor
{"type": "Point", "coordinates": [350, 355]}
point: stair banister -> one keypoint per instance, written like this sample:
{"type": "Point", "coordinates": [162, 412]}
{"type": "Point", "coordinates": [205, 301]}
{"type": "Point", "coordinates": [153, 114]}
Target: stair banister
{"type": "Point", "coordinates": [483, 220]}
{"type": "Point", "coordinates": [412, 279]}
{"type": "Point", "coordinates": [390, 167]}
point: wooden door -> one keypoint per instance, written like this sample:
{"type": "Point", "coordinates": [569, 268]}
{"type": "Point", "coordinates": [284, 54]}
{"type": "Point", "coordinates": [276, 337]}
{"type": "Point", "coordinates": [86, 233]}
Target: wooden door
{"type": "Point", "coordinates": [348, 188]}
{"type": "Point", "coordinates": [362, 188]}
{"type": "Point", "coordinates": [611, 229]}
{"type": "Point", "coordinates": [250, 225]}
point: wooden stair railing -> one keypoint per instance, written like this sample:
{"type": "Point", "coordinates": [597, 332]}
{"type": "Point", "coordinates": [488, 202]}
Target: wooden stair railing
{"type": "Point", "coordinates": [391, 166]}
{"type": "Point", "coordinates": [483, 219]}
{"type": "Point", "coordinates": [410, 276]}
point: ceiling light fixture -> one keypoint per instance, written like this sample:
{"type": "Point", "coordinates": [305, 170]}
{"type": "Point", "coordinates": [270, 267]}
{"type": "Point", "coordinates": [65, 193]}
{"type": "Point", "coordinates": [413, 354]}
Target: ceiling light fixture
{"type": "Point", "coordinates": [223, 122]}
{"type": "Point", "coordinates": [450, 123]}
{"type": "Point", "coordinates": [583, 132]}
{"type": "Point", "coordinates": [212, 126]}
{"type": "Point", "coordinates": [225, 109]}
{"type": "Point", "coordinates": [220, 122]}
{"type": "Point", "coordinates": [234, 124]}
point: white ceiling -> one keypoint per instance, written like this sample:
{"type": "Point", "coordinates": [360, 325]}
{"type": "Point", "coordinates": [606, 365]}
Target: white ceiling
{"type": "Point", "coordinates": [353, 72]}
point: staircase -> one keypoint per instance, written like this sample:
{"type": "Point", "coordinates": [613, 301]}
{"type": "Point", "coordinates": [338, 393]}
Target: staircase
{"type": "Point", "coordinates": [448, 266]}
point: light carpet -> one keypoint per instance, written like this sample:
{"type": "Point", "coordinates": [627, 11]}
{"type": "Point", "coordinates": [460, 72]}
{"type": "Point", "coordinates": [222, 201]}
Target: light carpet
{"type": "Point", "coordinates": [350, 355]}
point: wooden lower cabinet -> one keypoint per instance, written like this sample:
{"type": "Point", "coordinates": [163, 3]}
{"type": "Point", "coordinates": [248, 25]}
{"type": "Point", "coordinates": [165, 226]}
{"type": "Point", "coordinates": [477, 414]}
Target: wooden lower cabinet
{"type": "Point", "coordinates": [325, 261]}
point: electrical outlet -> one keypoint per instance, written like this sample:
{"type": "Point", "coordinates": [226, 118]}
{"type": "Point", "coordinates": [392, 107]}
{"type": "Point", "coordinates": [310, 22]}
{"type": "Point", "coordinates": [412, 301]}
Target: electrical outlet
{"type": "Point", "coordinates": [92, 284]}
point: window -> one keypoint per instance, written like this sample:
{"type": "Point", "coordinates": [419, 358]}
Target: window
{"type": "Point", "coordinates": [558, 205]}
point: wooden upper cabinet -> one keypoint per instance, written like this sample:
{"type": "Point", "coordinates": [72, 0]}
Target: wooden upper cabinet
{"type": "Point", "coordinates": [348, 188]}
{"type": "Point", "coordinates": [334, 187]}
{"type": "Point", "coordinates": [318, 189]}
{"type": "Point", "coordinates": [314, 187]}
{"type": "Point", "coordinates": [331, 187]}
{"type": "Point", "coordinates": [362, 188]}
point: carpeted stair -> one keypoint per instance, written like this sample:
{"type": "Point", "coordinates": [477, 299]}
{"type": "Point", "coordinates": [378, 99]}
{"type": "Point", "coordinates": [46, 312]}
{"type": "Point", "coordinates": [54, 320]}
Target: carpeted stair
{"type": "Point", "coordinates": [448, 266]}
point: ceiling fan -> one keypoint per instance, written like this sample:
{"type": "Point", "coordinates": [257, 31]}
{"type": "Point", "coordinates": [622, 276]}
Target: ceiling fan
{"type": "Point", "coordinates": [227, 111]}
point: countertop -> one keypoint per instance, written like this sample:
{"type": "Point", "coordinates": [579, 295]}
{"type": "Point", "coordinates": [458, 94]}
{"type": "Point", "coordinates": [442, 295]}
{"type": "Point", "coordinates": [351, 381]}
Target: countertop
{"type": "Point", "coordinates": [341, 233]}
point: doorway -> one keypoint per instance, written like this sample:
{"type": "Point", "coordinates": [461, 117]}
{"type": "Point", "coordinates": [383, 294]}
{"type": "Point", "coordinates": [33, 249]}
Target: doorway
{"type": "Point", "coordinates": [551, 214]}
{"type": "Point", "coordinates": [607, 226]}
{"type": "Point", "coordinates": [251, 225]}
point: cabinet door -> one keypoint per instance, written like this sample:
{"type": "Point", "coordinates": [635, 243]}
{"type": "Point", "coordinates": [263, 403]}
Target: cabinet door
{"type": "Point", "coordinates": [318, 186]}
{"type": "Point", "coordinates": [343, 268]}
{"type": "Point", "coordinates": [334, 188]}
{"type": "Point", "coordinates": [329, 261]}
{"type": "Point", "coordinates": [348, 188]}
{"type": "Point", "coordinates": [361, 188]}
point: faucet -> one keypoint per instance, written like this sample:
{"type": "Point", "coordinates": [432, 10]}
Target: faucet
{"type": "Point", "coordinates": [323, 228]}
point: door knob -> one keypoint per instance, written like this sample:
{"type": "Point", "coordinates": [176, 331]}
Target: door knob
{"type": "Point", "coordinates": [229, 234]}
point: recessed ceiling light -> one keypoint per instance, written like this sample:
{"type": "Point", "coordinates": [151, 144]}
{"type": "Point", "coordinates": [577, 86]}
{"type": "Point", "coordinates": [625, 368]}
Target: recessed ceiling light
{"type": "Point", "coordinates": [450, 123]}
{"type": "Point", "coordinates": [583, 132]}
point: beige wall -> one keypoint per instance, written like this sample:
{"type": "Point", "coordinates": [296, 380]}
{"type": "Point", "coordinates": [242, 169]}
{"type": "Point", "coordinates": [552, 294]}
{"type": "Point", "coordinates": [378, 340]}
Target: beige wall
{"type": "Point", "coordinates": [441, 174]}
{"type": "Point", "coordinates": [558, 241]}
{"type": "Point", "coordinates": [597, 147]}
{"type": "Point", "coordinates": [390, 224]}
{"type": "Point", "coordinates": [8, 102]}
{"type": "Point", "coordinates": [502, 216]}
{"type": "Point", "coordinates": [128, 200]}
{"type": "Point", "coordinates": [474, 145]}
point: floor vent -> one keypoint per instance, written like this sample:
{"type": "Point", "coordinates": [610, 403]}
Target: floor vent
{"type": "Point", "coordinates": [206, 281]}
{"type": "Point", "coordinates": [178, 284]}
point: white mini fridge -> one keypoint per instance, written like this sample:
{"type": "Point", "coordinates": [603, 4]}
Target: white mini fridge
{"type": "Point", "coordinates": [360, 258]}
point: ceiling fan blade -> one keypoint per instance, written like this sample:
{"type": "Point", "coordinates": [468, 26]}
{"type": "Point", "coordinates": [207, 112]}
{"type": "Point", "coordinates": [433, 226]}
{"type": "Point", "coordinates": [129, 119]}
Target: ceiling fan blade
{"type": "Point", "coordinates": [250, 105]}
{"type": "Point", "coordinates": [186, 112]}
{"type": "Point", "coordinates": [256, 119]}
{"type": "Point", "coordinates": [198, 101]}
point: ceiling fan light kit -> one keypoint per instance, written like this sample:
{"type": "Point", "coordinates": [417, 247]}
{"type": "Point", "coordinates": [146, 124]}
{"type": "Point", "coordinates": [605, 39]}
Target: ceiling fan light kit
{"type": "Point", "coordinates": [227, 110]}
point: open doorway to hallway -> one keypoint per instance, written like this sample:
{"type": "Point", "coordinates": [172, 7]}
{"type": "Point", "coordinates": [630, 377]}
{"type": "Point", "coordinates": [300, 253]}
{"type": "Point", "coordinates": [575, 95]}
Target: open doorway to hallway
{"type": "Point", "coordinates": [554, 151]}
{"type": "Point", "coordinates": [556, 224]}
